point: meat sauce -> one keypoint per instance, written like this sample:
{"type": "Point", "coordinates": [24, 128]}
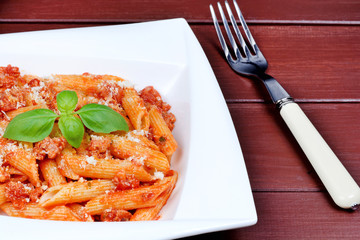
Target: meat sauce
{"type": "Point", "coordinates": [115, 215]}
{"type": "Point", "coordinates": [99, 147]}
{"type": "Point", "coordinates": [125, 181]}
{"type": "Point", "coordinates": [19, 193]}
{"type": "Point", "coordinates": [152, 97]}
{"type": "Point", "coordinates": [50, 147]}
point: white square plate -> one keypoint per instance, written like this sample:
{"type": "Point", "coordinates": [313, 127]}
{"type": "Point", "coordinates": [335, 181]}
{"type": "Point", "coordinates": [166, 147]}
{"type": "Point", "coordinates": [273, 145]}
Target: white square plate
{"type": "Point", "coordinates": [213, 191]}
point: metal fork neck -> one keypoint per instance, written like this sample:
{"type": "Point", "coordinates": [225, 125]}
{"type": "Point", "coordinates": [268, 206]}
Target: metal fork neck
{"type": "Point", "coordinates": [277, 93]}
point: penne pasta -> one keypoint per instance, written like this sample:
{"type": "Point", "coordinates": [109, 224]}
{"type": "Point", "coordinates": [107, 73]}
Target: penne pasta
{"type": "Point", "coordinates": [24, 161]}
{"type": "Point", "coordinates": [151, 213]}
{"type": "Point", "coordinates": [33, 210]}
{"type": "Point", "coordinates": [63, 165]}
{"type": "Point", "coordinates": [128, 199]}
{"type": "Point", "coordinates": [51, 173]}
{"type": "Point", "coordinates": [2, 194]}
{"type": "Point", "coordinates": [87, 83]}
{"type": "Point", "coordinates": [135, 109]}
{"type": "Point", "coordinates": [74, 192]}
{"type": "Point", "coordinates": [94, 167]}
{"type": "Point", "coordinates": [79, 211]}
{"type": "Point", "coordinates": [16, 175]}
{"type": "Point", "coordinates": [125, 148]}
{"type": "Point", "coordinates": [162, 133]}
{"type": "Point", "coordinates": [140, 138]}
{"type": "Point", "coordinates": [79, 82]}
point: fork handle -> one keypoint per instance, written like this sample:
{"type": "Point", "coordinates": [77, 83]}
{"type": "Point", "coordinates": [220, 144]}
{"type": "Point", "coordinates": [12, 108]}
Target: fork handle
{"type": "Point", "coordinates": [337, 180]}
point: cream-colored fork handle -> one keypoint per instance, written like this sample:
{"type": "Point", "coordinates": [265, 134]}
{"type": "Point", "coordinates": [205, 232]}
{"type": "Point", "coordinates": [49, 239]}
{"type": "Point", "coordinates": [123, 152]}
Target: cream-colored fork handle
{"type": "Point", "coordinates": [337, 180]}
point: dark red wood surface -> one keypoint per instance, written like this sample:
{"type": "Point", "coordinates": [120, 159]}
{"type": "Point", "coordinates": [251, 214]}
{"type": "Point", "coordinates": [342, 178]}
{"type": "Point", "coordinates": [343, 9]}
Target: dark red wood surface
{"type": "Point", "coordinates": [313, 49]}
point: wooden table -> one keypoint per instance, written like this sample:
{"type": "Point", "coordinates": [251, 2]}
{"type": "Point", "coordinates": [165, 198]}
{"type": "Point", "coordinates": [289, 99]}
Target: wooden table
{"type": "Point", "coordinates": [313, 49]}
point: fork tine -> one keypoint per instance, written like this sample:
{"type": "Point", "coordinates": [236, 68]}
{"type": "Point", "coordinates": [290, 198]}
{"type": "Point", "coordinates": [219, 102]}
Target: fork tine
{"type": "Point", "coordinates": [245, 27]}
{"type": "Point", "coordinates": [228, 32]}
{"type": "Point", "coordinates": [219, 33]}
{"type": "Point", "coordinates": [236, 29]}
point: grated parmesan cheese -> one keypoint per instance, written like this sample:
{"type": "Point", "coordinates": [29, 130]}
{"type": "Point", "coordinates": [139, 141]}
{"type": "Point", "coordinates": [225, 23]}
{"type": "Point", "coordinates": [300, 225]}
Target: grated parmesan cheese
{"type": "Point", "coordinates": [81, 180]}
{"type": "Point", "coordinates": [7, 117]}
{"type": "Point", "coordinates": [140, 160]}
{"type": "Point", "coordinates": [140, 132]}
{"type": "Point", "coordinates": [96, 137]}
{"type": "Point", "coordinates": [25, 147]}
{"type": "Point", "coordinates": [19, 105]}
{"type": "Point", "coordinates": [44, 187]}
{"type": "Point", "coordinates": [158, 175]}
{"type": "Point", "coordinates": [26, 187]}
{"type": "Point", "coordinates": [136, 160]}
{"type": "Point", "coordinates": [1, 131]}
{"type": "Point", "coordinates": [11, 147]}
{"type": "Point", "coordinates": [35, 93]}
{"type": "Point", "coordinates": [125, 84]}
{"type": "Point", "coordinates": [131, 138]}
{"type": "Point", "coordinates": [91, 160]}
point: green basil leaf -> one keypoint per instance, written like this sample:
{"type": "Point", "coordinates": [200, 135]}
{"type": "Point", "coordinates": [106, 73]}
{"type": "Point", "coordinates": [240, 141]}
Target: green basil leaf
{"type": "Point", "coordinates": [31, 126]}
{"type": "Point", "coordinates": [66, 101]}
{"type": "Point", "coordinates": [72, 129]}
{"type": "Point", "coordinates": [102, 119]}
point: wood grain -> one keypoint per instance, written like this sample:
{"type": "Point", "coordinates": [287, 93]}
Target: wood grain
{"type": "Point", "coordinates": [273, 158]}
{"type": "Point", "coordinates": [295, 215]}
{"type": "Point", "coordinates": [120, 11]}
{"type": "Point", "coordinates": [311, 62]}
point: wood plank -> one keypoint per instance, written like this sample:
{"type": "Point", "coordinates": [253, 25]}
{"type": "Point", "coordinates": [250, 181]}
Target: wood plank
{"type": "Point", "coordinates": [256, 11]}
{"type": "Point", "coordinates": [26, 27]}
{"type": "Point", "coordinates": [273, 158]}
{"type": "Point", "coordinates": [311, 62]}
{"type": "Point", "coordinates": [295, 215]}
{"type": "Point", "coordinates": [295, 55]}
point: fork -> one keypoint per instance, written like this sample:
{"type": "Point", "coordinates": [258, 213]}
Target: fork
{"type": "Point", "coordinates": [249, 61]}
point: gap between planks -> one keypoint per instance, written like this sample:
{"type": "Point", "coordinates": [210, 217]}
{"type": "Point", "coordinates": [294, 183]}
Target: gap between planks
{"type": "Point", "coordinates": [194, 22]}
{"type": "Point", "coordinates": [345, 100]}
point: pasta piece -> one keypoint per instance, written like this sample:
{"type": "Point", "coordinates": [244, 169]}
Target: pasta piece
{"type": "Point", "coordinates": [24, 161]}
{"type": "Point", "coordinates": [162, 133]}
{"type": "Point", "coordinates": [14, 113]}
{"type": "Point", "coordinates": [79, 211]}
{"type": "Point", "coordinates": [51, 173]}
{"type": "Point", "coordinates": [139, 137]}
{"type": "Point", "coordinates": [125, 148]}
{"type": "Point", "coordinates": [151, 213]}
{"type": "Point", "coordinates": [94, 167]}
{"type": "Point", "coordinates": [4, 175]}
{"type": "Point", "coordinates": [63, 165]}
{"type": "Point", "coordinates": [2, 194]}
{"type": "Point", "coordinates": [14, 171]}
{"type": "Point", "coordinates": [74, 192]}
{"type": "Point", "coordinates": [16, 175]}
{"type": "Point", "coordinates": [28, 77]}
{"type": "Point", "coordinates": [80, 82]}
{"type": "Point", "coordinates": [128, 199]}
{"type": "Point", "coordinates": [34, 211]}
{"type": "Point", "coordinates": [86, 82]}
{"type": "Point", "coordinates": [135, 109]}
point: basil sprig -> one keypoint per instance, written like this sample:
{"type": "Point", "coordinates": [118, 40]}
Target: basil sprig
{"type": "Point", "coordinates": [35, 125]}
